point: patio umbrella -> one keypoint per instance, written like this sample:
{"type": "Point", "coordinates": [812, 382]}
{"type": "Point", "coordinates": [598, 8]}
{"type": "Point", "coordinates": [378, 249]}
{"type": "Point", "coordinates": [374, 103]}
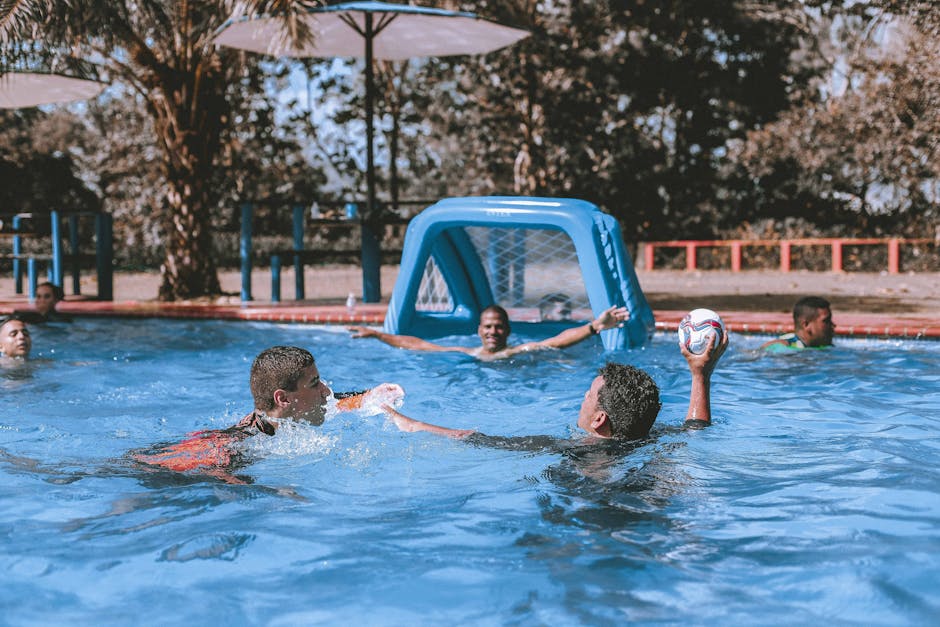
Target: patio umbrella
{"type": "Point", "coordinates": [374, 30]}
{"type": "Point", "coordinates": [31, 89]}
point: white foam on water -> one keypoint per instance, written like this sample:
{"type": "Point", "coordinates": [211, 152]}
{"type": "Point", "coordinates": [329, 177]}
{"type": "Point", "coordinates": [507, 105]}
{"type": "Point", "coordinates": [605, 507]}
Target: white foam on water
{"type": "Point", "coordinates": [292, 439]}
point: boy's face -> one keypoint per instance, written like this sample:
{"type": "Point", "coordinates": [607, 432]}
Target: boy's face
{"type": "Point", "coordinates": [819, 330]}
{"type": "Point", "coordinates": [14, 339]}
{"type": "Point", "coordinates": [556, 310]}
{"type": "Point", "coordinates": [308, 401]}
{"type": "Point", "coordinates": [590, 407]}
{"type": "Point", "coordinates": [45, 299]}
{"type": "Point", "coordinates": [493, 332]}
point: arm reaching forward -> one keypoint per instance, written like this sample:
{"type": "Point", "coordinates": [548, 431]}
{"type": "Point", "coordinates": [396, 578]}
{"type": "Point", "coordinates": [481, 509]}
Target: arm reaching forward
{"type": "Point", "coordinates": [406, 341]}
{"type": "Point", "coordinates": [404, 423]}
{"type": "Point", "coordinates": [609, 318]}
{"type": "Point", "coordinates": [701, 367]}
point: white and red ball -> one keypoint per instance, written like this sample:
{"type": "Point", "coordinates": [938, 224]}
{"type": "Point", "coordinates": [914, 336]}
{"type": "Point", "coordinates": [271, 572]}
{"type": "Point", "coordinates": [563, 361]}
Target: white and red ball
{"type": "Point", "coordinates": [699, 325]}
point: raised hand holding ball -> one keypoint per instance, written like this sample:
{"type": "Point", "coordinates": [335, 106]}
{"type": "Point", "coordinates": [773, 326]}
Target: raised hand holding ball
{"type": "Point", "coordinates": [697, 326]}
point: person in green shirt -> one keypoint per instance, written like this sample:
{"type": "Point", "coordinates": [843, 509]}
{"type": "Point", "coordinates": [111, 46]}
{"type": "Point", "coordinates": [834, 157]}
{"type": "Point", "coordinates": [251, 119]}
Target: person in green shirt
{"type": "Point", "coordinates": [812, 327]}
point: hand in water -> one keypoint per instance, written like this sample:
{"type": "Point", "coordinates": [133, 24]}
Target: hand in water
{"type": "Point", "coordinates": [361, 332]}
{"type": "Point", "coordinates": [390, 394]}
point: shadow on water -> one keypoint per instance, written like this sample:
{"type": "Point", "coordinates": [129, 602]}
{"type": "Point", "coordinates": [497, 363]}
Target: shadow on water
{"type": "Point", "coordinates": [607, 517]}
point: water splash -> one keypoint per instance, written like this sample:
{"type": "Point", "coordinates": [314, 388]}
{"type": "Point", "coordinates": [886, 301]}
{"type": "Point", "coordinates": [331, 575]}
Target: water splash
{"type": "Point", "coordinates": [293, 439]}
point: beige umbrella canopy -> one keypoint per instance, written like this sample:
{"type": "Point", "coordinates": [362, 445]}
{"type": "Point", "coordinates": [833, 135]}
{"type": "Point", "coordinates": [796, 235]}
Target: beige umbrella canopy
{"type": "Point", "coordinates": [373, 30]}
{"type": "Point", "coordinates": [394, 32]}
{"type": "Point", "coordinates": [31, 89]}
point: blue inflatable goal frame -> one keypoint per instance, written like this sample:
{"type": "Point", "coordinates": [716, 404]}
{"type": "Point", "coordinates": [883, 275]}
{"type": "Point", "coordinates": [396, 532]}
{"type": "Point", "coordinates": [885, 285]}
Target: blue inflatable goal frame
{"type": "Point", "coordinates": [608, 272]}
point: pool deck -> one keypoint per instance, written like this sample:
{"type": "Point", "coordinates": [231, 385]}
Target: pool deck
{"type": "Point", "coordinates": [849, 324]}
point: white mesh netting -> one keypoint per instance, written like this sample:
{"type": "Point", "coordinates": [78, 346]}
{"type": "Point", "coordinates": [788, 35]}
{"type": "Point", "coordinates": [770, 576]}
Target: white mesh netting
{"type": "Point", "coordinates": [433, 295]}
{"type": "Point", "coordinates": [534, 274]}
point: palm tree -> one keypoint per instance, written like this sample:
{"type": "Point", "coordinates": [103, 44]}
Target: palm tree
{"type": "Point", "coordinates": [162, 51]}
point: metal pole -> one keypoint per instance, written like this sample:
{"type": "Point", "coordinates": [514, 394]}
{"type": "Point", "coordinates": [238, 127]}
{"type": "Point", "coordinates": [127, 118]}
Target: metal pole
{"type": "Point", "coordinates": [56, 248]}
{"type": "Point", "coordinates": [370, 95]}
{"type": "Point", "coordinates": [17, 251]}
{"type": "Point", "coordinates": [104, 255]}
{"type": "Point", "coordinates": [244, 251]}
{"type": "Point", "coordinates": [31, 278]}
{"type": "Point", "coordinates": [275, 278]}
{"type": "Point", "coordinates": [298, 259]}
{"type": "Point", "coordinates": [73, 246]}
{"type": "Point", "coordinates": [371, 254]}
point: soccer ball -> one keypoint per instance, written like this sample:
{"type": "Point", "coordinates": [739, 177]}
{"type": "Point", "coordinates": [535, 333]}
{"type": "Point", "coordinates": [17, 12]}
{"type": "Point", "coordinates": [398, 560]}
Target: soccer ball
{"type": "Point", "coordinates": [697, 326]}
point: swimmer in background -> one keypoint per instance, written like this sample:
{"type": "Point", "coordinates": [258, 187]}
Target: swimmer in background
{"type": "Point", "coordinates": [286, 385]}
{"type": "Point", "coordinates": [621, 403]}
{"type": "Point", "coordinates": [15, 341]}
{"type": "Point", "coordinates": [812, 327]}
{"type": "Point", "coordinates": [494, 332]}
{"type": "Point", "coordinates": [555, 306]}
{"type": "Point", "coordinates": [48, 296]}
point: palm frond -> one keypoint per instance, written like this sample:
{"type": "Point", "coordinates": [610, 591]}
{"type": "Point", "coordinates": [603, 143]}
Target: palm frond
{"type": "Point", "coordinates": [19, 19]}
{"type": "Point", "coordinates": [296, 32]}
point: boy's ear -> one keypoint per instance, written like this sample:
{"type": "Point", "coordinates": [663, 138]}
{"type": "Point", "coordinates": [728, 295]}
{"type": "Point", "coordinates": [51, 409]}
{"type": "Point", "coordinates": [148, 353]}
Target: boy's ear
{"type": "Point", "coordinates": [280, 398]}
{"type": "Point", "coordinates": [601, 423]}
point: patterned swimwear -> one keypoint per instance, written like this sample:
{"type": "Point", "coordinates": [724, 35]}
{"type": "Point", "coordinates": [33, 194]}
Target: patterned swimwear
{"type": "Point", "coordinates": [211, 448]}
{"type": "Point", "coordinates": [792, 343]}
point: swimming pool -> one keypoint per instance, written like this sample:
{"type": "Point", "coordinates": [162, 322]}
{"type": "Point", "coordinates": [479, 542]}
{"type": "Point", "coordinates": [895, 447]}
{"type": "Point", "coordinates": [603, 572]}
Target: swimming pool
{"type": "Point", "coordinates": [814, 496]}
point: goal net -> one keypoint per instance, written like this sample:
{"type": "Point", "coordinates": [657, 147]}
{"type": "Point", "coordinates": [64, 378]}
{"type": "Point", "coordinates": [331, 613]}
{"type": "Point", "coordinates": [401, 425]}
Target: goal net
{"type": "Point", "coordinates": [533, 273]}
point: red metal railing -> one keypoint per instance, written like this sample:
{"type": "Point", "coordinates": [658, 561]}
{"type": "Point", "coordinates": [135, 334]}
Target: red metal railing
{"type": "Point", "coordinates": [836, 245]}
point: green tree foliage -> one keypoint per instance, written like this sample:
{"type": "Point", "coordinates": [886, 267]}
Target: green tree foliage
{"type": "Point", "coordinates": [627, 104]}
{"type": "Point", "coordinates": [36, 173]}
{"type": "Point", "coordinates": [680, 117]}
{"type": "Point", "coordinates": [860, 153]}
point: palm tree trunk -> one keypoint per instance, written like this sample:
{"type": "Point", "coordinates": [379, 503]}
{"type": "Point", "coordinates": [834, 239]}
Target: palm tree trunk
{"type": "Point", "coordinates": [188, 269]}
{"type": "Point", "coordinates": [189, 112]}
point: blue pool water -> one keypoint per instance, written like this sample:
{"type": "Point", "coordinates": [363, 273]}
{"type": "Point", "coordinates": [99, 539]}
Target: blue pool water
{"type": "Point", "coordinates": [815, 496]}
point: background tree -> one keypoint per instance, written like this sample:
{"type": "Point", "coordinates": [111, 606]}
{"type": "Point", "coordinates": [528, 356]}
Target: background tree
{"type": "Point", "coordinates": [35, 173]}
{"type": "Point", "coordinates": [859, 153]}
{"type": "Point", "coordinates": [162, 53]}
{"type": "Point", "coordinates": [683, 118]}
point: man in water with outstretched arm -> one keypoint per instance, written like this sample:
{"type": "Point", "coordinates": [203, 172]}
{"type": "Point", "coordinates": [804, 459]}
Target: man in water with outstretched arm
{"type": "Point", "coordinates": [494, 335]}
{"type": "Point", "coordinates": [622, 401]}
{"type": "Point", "coordinates": [286, 385]}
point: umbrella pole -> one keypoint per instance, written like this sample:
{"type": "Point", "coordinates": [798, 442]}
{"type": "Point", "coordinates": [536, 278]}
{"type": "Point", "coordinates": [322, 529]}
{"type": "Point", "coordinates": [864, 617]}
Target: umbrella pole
{"type": "Point", "coordinates": [371, 253]}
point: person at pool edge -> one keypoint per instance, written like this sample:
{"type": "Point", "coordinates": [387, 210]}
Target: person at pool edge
{"type": "Point", "coordinates": [286, 385]}
{"type": "Point", "coordinates": [622, 401]}
{"type": "Point", "coordinates": [555, 306]}
{"type": "Point", "coordinates": [48, 296]}
{"type": "Point", "coordinates": [494, 332]}
{"type": "Point", "coordinates": [812, 327]}
{"type": "Point", "coordinates": [15, 341]}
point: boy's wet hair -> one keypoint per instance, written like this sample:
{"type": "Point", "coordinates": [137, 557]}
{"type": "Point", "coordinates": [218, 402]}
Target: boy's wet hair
{"type": "Point", "coordinates": [548, 302]}
{"type": "Point", "coordinates": [502, 313]}
{"type": "Point", "coordinates": [57, 292]}
{"type": "Point", "coordinates": [277, 368]}
{"type": "Point", "coordinates": [806, 308]}
{"type": "Point", "coordinates": [11, 317]}
{"type": "Point", "coordinates": [631, 399]}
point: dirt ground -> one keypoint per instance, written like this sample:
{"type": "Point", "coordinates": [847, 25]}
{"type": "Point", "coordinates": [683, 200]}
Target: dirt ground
{"type": "Point", "coordinates": [752, 290]}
